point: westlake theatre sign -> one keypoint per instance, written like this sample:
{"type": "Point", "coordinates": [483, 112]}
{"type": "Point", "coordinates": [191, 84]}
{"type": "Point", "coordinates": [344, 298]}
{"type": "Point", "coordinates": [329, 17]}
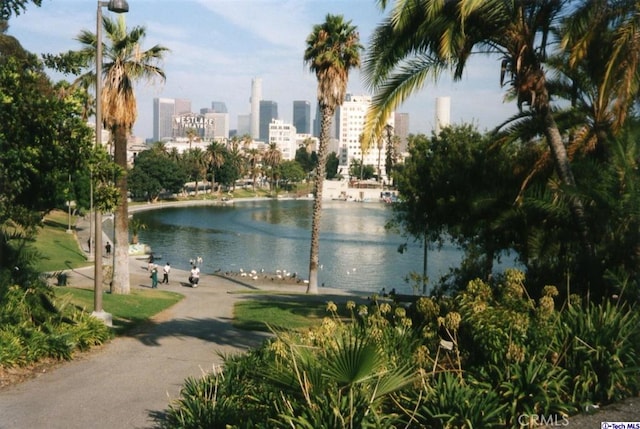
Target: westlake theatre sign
{"type": "Point", "coordinates": [204, 125]}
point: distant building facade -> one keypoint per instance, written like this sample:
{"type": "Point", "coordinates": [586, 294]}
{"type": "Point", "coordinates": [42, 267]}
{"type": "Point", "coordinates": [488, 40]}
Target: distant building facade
{"type": "Point", "coordinates": [401, 130]}
{"type": "Point", "coordinates": [285, 137]}
{"type": "Point", "coordinates": [302, 116]}
{"type": "Point", "coordinates": [256, 97]}
{"type": "Point", "coordinates": [268, 112]}
{"type": "Point", "coordinates": [351, 120]}
{"type": "Point", "coordinates": [164, 109]}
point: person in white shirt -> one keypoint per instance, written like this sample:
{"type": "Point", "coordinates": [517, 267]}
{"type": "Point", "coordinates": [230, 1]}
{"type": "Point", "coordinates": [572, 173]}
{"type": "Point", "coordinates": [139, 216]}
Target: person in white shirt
{"type": "Point", "coordinates": [165, 273]}
{"type": "Point", "coordinates": [194, 278]}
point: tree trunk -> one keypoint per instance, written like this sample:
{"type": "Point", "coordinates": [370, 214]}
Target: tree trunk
{"type": "Point", "coordinates": [587, 261]}
{"type": "Point", "coordinates": [327, 115]}
{"type": "Point", "coordinates": [121, 221]}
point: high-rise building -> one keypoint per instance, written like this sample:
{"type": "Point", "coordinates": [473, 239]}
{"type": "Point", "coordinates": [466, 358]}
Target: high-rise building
{"type": "Point", "coordinates": [284, 136]}
{"type": "Point", "coordinates": [443, 113]}
{"type": "Point", "coordinates": [244, 125]}
{"type": "Point", "coordinates": [220, 130]}
{"type": "Point", "coordinates": [401, 130]}
{"type": "Point", "coordinates": [163, 111]}
{"type": "Point", "coordinates": [219, 107]}
{"type": "Point", "coordinates": [317, 124]}
{"type": "Point", "coordinates": [302, 116]}
{"type": "Point", "coordinates": [183, 106]}
{"type": "Point", "coordinates": [256, 97]}
{"type": "Point", "coordinates": [351, 121]}
{"type": "Point", "coordinates": [268, 112]}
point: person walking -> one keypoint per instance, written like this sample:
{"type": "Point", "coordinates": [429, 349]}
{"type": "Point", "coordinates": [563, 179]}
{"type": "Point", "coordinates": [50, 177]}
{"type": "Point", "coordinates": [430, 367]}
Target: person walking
{"type": "Point", "coordinates": [165, 273]}
{"type": "Point", "coordinates": [154, 276]}
{"type": "Point", "coordinates": [194, 278]}
{"type": "Point", "coordinates": [107, 248]}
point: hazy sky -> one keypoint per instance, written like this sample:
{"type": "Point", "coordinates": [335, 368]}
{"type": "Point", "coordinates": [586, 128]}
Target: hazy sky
{"type": "Point", "coordinates": [218, 46]}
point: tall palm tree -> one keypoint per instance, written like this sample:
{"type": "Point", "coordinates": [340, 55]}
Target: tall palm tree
{"type": "Point", "coordinates": [272, 158]}
{"type": "Point", "coordinates": [253, 158]}
{"type": "Point", "coordinates": [215, 159]}
{"type": "Point", "coordinates": [124, 63]}
{"type": "Point", "coordinates": [333, 49]}
{"type": "Point", "coordinates": [195, 161]}
{"type": "Point", "coordinates": [423, 38]}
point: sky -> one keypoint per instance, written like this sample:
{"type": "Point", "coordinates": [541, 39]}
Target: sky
{"type": "Point", "coordinates": [219, 46]}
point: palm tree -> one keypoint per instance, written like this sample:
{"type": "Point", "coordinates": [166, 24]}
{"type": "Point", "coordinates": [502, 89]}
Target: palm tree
{"type": "Point", "coordinates": [124, 63]}
{"type": "Point", "coordinates": [215, 158]}
{"type": "Point", "coordinates": [272, 158]}
{"type": "Point", "coordinates": [253, 157]}
{"type": "Point", "coordinates": [192, 134]}
{"type": "Point", "coordinates": [423, 38]}
{"type": "Point", "coordinates": [333, 49]}
{"type": "Point", "coordinates": [600, 58]}
{"type": "Point", "coordinates": [196, 163]}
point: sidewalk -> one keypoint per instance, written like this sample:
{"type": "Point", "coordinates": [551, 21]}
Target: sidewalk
{"type": "Point", "coordinates": [131, 380]}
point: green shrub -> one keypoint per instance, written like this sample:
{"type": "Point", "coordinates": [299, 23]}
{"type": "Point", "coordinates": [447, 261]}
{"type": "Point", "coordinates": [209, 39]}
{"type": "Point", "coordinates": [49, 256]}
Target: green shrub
{"type": "Point", "coordinates": [535, 387]}
{"type": "Point", "coordinates": [452, 402]}
{"type": "Point", "coordinates": [599, 345]}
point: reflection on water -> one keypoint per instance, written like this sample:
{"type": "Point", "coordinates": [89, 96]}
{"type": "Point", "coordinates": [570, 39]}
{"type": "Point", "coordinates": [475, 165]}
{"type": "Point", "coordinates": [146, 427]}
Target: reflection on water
{"type": "Point", "coordinates": [356, 252]}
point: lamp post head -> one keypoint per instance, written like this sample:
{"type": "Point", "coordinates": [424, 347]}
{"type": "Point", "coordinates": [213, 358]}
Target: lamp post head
{"type": "Point", "coordinates": [118, 6]}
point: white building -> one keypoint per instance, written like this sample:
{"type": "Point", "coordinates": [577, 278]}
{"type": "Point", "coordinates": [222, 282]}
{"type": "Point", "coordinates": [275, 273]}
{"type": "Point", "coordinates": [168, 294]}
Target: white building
{"type": "Point", "coordinates": [284, 136]}
{"type": "Point", "coordinates": [256, 96]}
{"type": "Point", "coordinates": [443, 113]}
{"type": "Point", "coordinates": [351, 121]}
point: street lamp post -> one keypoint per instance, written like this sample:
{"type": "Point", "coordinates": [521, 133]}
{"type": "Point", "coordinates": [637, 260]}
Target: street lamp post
{"type": "Point", "coordinates": [118, 6]}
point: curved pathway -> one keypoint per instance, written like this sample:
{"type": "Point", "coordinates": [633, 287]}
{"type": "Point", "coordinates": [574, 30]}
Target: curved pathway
{"type": "Point", "coordinates": [127, 382]}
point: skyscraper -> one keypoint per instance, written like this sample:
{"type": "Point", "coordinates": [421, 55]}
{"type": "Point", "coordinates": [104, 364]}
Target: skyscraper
{"type": "Point", "coordinates": [268, 112]}
{"type": "Point", "coordinates": [256, 97]}
{"type": "Point", "coordinates": [219, 107]}
{"type": "Point", "coordinates": [401, 130]}
{"type": "Point", "coordinates": [443, 113]}
{"type": "Point", "coordinates": [302, 116]}
{"type": "Point", "coordinates": [163, 111]}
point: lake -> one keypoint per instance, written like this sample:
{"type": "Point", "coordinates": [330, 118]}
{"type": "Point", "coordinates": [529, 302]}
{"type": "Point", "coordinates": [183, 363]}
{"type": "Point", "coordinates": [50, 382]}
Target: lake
{"type": "Point", "coordinates": [356, 251]}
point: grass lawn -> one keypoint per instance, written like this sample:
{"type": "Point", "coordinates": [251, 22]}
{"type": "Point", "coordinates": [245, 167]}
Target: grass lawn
{"type": "Point", "coordinates": [281, 313]}
{"type": "Point", "coordinates": [128, 311]}
{"type": "Point", "coordinates": [59, 249]}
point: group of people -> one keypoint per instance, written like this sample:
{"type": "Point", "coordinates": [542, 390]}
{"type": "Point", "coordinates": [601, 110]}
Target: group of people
{"type": "Point", "coordinates": [153, 269]}
{"type": "Point", "coordinates": [194, 274]}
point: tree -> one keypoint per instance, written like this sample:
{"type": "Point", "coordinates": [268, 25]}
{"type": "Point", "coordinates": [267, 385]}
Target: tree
{"type": "Point", "coordinates": [43, 140]}
{"type": "Point", "coordinates": [215, 158]}
{"type": "Point", "coordinates": [332, 166]}
{"type": "Point", "coordinates": [423, 38]}
{"type": "Point", "coordinates": [253, 159]}
{"type": "Point", "coordinates": [333, 49]}
{"type": "Point", "coordinates": [9, 7]}
{"type": "Point", "coordinates": [153, 172]}
{"type": "Point", "coordinates": [125, 64]}
{"type": "Point", "coordinates": [290, 172]}
{"type": "Point", "coordinates": [456, 185]}
{"type": "Point", "coordinates": [195, 165]}
{"type": "Point", "coordinates": [272, 158]}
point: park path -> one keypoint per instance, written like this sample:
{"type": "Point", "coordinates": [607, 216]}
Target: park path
{"type": "Point", "coordinates": [127, 382]}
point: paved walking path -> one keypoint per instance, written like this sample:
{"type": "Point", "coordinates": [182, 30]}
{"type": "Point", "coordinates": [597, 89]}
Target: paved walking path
{"type": "Point", "coordinates": [127, 382]}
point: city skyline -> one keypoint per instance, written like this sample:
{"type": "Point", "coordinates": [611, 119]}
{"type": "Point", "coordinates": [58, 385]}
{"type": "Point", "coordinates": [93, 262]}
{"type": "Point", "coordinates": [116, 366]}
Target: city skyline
{"type": "Point", "coordinates": [219, 47]}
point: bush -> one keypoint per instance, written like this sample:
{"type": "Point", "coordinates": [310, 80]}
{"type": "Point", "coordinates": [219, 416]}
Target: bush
{"type": "Point", "coordinates": [599, 345]}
